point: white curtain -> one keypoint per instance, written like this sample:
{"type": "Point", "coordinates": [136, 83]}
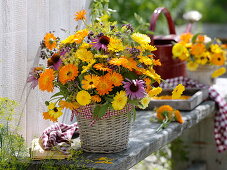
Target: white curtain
{"type": "Point", "coordinates": [23, 23]}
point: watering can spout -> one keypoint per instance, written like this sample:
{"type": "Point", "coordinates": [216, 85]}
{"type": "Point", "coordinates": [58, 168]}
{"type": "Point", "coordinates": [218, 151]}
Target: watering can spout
{"type": "Point", "coordinates": [191, 17]}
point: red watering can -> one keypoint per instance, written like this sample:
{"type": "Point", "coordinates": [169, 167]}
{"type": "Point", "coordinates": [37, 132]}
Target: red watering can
{"type": "Point", "coordinates": [170, 67]}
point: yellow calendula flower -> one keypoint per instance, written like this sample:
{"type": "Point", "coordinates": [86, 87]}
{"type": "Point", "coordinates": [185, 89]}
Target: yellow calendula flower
{"type": "Point", "coordinates": [145, 102]}
{"type": "Point", "coordinates": [145, 60]}
{"type": "Point", "coordinates": [177, 92]}
{"type": "Point", "coordinates": [85, 45]}
{"type": "Point", "coordinates": [83, 98]}
{"type": "Point", "coordinates": [100, 56]}
{"type": "Point", "coordinates": [215, 48]}
{"type": "Point", "coordinates": [87, 67]}
{"type": "Point", "coordinates": [148, 47]}
{"type": "Point", "coordinates": [179, 50]}
{"type": "Point", "coordinates": [204, 59]}
{"type": "Point", "coordinates": [192, 66]}
{"type": "Point", "coordinates": [218, 72]}
{"type": "Point", "coordinates": [115, 45]}
{"type": "Point", "coordinates": [119, 100]}
{"type": "Point", "coordinates": [84, 55]}
{"type": "Point", "coordinates": [141, 38]}
{"type": "Point", "coordinates": [68, 40]}
{"type": "Point", "coordinates": [155, 91]}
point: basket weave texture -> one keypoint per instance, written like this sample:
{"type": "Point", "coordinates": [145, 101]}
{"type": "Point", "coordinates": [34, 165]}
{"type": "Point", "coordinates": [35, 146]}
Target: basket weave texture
{"type": "Point", "coordinates": [107, 135]}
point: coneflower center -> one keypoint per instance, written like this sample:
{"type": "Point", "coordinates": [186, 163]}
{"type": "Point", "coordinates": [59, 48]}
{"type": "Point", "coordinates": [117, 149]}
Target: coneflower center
{"type": "Point", "coordinates": [104, 40]}
{"type": "Point", "coordinates": [134, 87]}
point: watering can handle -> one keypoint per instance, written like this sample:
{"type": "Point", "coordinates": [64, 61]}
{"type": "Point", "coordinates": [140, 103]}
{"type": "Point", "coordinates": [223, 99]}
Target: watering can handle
{"type": "Point", "coordinates": [155, 16]}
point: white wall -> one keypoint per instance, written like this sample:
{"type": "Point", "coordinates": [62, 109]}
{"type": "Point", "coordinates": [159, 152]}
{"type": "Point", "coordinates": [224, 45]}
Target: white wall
{"type": "Point", "coordinates": [23, 24]}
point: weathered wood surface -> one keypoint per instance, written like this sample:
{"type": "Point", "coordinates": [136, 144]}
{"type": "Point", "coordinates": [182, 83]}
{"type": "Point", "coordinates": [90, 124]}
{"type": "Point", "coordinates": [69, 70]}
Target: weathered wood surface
{"type": "Point", "coordinates": [144, 139]}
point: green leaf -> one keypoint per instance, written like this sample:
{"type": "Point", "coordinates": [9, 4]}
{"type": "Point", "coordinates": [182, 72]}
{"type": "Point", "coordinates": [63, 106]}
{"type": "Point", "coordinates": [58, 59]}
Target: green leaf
{"type": "Point", "coordinates": [57, 94]}
{"type": "Point", "coordinates": [100, 110]}
{"type": "Point", "coordinates": [195, 37]}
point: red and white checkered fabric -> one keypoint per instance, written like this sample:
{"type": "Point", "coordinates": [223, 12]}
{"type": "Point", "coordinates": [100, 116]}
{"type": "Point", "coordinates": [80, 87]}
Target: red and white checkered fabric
{"type": "Point", "coordinates": [86, 112]}
{"type": "Point", "coordinates": [57, 133]}
{"type": "Point", "coordinates": [220, 120]}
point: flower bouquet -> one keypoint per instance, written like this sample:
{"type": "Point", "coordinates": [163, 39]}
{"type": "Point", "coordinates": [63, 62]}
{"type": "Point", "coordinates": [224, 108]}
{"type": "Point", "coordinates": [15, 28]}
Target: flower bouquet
{"type": "Point", "coordinates": [203, 55]}
{"type": "Point", "coordinates": [101, 72]}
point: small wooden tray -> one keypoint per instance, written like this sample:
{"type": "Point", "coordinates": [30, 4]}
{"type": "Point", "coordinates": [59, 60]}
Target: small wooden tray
{"type": "Point", "coordinates": [197, 97]}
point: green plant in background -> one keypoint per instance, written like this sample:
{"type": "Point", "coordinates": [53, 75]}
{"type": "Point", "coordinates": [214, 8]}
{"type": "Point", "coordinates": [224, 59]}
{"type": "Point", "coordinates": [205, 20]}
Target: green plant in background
{"type": "Point", "coordinates": [134, 11]}
{"type": "Point", "coordinates": [213, 11]}
{"type": "Point", "coordinates": [13, 151]}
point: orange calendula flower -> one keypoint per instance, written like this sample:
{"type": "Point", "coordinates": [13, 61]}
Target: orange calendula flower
{"type": "Point", "coordinates": [104, 86]}
{"type": "Point", "coordinates": [157, 62]}
{"type": "Point", "coordinates": [198, 49]}
{"type": "Point", "coordinates": [90, 81]}
{"type": "Point", "coordinates": [96, 98]}
{"type": "Point", "coordinates": [130, 64]}
{"type": "Point", "coordinates": [148, 84]}
{"type": "Point", "coordinates": [68, 105]}
{"type": "Point", "coordinates": [50, 41]}
{"type": "Point", "coordinates": [186, 37]}
{"type": "Point", "coordinates": [178, 116]}
{"type": "Point", "coordinates": [46, 79]}
{"type": "Point", "coordinates": [80, 15]}
{"type": "Point", "coordinates": [115, 78]}
{"type": "Point", "coordinates": [68, 73]}
{"type": "Point", "coordinates": [164, 111]}
{"type": "Point", "coordinates": [218, 59]}
{"type": "Point", "coordinates": [101, 67]}
{"type": "Point", "coordinates": [118, 61]}
{"type": "Point", "coordinates": [200, 38]}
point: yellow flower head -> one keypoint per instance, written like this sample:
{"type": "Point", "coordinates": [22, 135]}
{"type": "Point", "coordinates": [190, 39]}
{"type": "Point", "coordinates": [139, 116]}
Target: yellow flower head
{"type": "Point", "coordinates": [84, 55]}
{"type": "Point", "coordinates": [145, 102]}
{"type": "Point", "coordinates": [53, 112]}
{"type": "Point", "coordinates": [119, 100]}
{"type": "Point", "coordinates": [115, 45]}
{"type": "Point", "coordinates": [215, 48]}
{"type": "Point", "coordinates": [155, 91]}
{"type": "Point", "coordinates": [179, 50]}
{"type": "Point", "coordinates": [192, 66]}
{"type": "Point", "coordinates": [85, 45]}
{"type": "Point", "coordinates": [218, 72]}
{"type": "Point", "coordinates": [141, 38]}
{"type": "Point", "coordinates": [177, 92]}
{"type": "Point", "coordinates": [80, 15]}
{"type": "Point", "coordinates": [145, 60]}
{"type": "Point", "coordinates": [83, 98]}
{"type": "Point", "coordinates": [148, 47]}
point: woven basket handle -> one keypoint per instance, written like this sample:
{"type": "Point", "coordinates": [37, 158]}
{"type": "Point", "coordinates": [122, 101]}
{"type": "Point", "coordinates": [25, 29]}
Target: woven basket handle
{"type": "Point", "coordinates": [154, 18]}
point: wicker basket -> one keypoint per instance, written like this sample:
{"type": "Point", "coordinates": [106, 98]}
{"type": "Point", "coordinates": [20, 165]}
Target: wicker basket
{"type": "Point", "coordinates": [107, 135]}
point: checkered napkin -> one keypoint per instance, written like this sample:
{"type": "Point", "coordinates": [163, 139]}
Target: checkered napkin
{"type": "Point", "coordinates": [58, 135]}
{"type": "Point", "coordinates": [220, 120]}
